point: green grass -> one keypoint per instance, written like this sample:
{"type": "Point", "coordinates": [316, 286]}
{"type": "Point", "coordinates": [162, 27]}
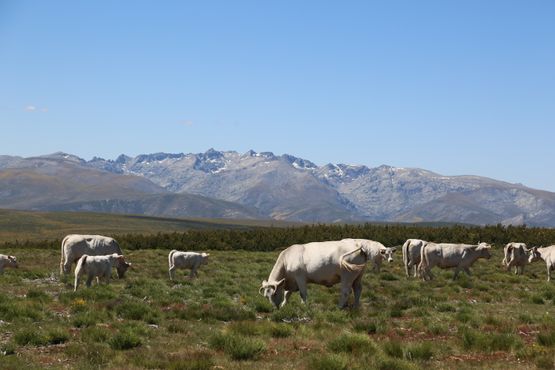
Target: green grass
{"type": "Point", "coordinates": [220, 321]}
{"type": "Point", "coordinates": [36, 226]}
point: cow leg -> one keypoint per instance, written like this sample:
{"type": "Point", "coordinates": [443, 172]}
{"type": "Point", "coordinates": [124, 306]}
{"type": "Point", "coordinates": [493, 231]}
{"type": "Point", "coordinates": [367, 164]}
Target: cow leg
{"type": "Point", "coordinates": [286, 296]}
{"type": "Point", "coordinates": [415, 268]}
{"type": "Point", "coordinates": [377, 267]}
{"type": "Point", "coordinates": [303, 291]}
{"type": "Point", "coordinates": [193, 273]}
{"type": "Point", "coordinates": [548, 272]}
{"type": "Point", "coordinates": [467, 271]}
{"type": "Point", "coordinates": [172, 272]}
{"type": "Point", "coordinates": [357, 289]}
{"type": "Point", "coordinates": [345, 292]}
{"type": "Point", "coordinates": [65, 267]}
{"type": "Point", "coordinates": [89, 280]}
{"type": "Point", "coordinates": [457, 270]}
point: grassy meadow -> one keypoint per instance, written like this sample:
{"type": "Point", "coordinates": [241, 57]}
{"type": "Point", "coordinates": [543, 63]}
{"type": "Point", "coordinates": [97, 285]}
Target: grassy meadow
{"type": "Point", "coordinates": [36, 226]}
{"type": "Point", "coordinates": [493, 320]}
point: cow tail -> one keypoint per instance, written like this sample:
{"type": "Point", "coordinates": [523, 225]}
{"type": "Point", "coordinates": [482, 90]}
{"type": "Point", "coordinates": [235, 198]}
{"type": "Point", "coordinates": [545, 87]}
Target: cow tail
{"type": "Point", "coordinates": [351, 267]}
{"type": "Point", "coordinates": [62, 261]}
{"type": "Point", "coordinates": [423, 260]}
{"type": "Point", "coordinates": [170, 257]}
{"type": "Point", "coordinates": [406, 256]}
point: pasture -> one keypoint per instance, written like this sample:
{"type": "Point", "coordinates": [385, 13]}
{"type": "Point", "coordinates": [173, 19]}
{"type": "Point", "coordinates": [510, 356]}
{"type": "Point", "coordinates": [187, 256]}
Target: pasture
{"type": "Point", "coordinates": [493, 320]}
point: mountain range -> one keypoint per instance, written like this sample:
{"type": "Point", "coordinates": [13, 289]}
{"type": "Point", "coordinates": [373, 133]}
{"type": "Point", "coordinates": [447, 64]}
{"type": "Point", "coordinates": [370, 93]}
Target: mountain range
{"type": "Point", "coordinates": [263, 185]}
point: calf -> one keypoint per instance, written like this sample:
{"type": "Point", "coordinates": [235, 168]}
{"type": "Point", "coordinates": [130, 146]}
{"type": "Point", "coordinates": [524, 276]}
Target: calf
{"type": "Point", "coordinates": [543, 253]}
{"type": "Point", "coordinates": [183, 260]}
{"type": "Point", "coordinates": [99, 267]}
{"type": "Point", "coordinates": [444, 255]}
{"type": "Point", "coordinates": [7, 261]}
{"type": "Point", "coordinates": [378, 253]}
{"type": "Point", "coordinates": [515, 254]}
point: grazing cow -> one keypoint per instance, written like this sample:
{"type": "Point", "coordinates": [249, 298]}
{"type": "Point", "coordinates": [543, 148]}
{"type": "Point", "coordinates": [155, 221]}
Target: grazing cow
{"type": "Point", "coordinates": [183, 260]}
{"type": "Point", "coordinates": [324, 263]}
{"type": "Point", "coordinates": [99, 267]}
{"type": "Point", "coordinates": [445, 255]}
{"type": "Point", "coordinates": [7, 261]}
{"type": "Point", "coordinates": [411, 255]}
{"type": "Point", "coordinates": [544, 253]}
{"type": "Point", "coordinates": [515, 254]}
{"type": "Point", "coordinates": [75, 245]}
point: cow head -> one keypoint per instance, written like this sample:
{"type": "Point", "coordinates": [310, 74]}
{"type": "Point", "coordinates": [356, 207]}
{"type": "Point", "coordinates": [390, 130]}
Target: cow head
{"type": "Point", "coordinates": [274, 291]}
{"type": "Point", "coordinates": [387, 253]}
{"type": "Point", "coordinates": [533, 255]}
{"type": "Point", "coordinates": [484, 249]}
{"type": "Point", "coordinates": [205, 258]}
{"type": "Point", "coordinates": [122, 266]}
{"type": "Point", "coordinates": [12, 262]}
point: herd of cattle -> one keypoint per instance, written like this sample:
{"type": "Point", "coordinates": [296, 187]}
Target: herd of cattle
{"type": "Point", "coordinates": [324, 263]}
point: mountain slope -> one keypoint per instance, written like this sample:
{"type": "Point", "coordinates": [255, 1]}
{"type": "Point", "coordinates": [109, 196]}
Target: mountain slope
{"type": "Point", "coordinates": [249, 185]}
{"type": "Point", "coordinates": [63, 182]}
{"type": "Point", "coordinates": [287, 187]}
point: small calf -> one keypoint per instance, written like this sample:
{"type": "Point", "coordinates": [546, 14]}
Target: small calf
{"type": "Point", "coordinates": [183, 260]}
{"type": "Point", "coordinates": [99, 266]}
{"type": "Point", "coordinates": [7, 261]}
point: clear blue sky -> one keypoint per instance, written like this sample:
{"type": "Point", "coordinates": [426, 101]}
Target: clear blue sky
{"type": "Point", "coordinates": [456, 87]}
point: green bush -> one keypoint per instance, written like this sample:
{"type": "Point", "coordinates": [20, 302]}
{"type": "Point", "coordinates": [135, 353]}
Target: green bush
{"type": "Point", "coordinates": [419, 351]}
{"type": "Point", "coordinates": [393, 348]}
{"type": "Point", "coordinates": [31, 336]}
{"type": "Point", "coordinates": [351, 343]}
{"type": "Point", "coordinates": [547, 339]}
{"type": "Point", "coordinates": [237, 346]}
{"type": "Point", "coordinates": [281, 331]}
{"type": "Point", "coordinates": [125, 339]}
{"type": "Point", "coordinates": [328, 362]}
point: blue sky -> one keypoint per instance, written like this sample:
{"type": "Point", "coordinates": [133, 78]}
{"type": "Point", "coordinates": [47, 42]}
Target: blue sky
{"type": "Point", "coordinates": [456, 87]}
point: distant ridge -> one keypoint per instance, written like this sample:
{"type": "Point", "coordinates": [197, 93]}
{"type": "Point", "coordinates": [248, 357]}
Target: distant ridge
{"type": "Point", "coordinates": [282, 187]}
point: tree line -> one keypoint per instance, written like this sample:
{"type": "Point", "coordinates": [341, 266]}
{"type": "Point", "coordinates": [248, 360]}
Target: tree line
{"type": "Point", "coordinates": [275, 238]}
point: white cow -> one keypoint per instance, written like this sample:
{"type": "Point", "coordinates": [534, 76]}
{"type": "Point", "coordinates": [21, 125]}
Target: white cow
{"type": "Point", "coordinates": [324, 263]}
{"type": "Point", "coordinates": [183, 260]}
{"type": "Point", "coordinates": [411, 255]}
{"type": "Point", "coordinates": [378, 253]}
{"type": "Point", "coordinates": [544, 253]}
{"type": "Point", "coordinates": [7, 261]}
{"type": "Point", "coordinates": [99, 267]}
{"type": "Point", "coordinates": [74, 246]}
{"type": "Point", "coordinates": [446, 255]}
{"type": "Point", "coordinates": [515, 254]}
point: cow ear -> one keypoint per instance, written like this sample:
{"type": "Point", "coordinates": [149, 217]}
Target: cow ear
{"type": "Point", "coordinates": [393, 249]}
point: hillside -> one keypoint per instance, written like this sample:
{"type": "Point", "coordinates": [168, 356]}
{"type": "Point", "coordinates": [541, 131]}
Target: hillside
{"type": "Point", "coordinates": [27, 225]}
{"type": "Point", "coordinates": [253, 185]}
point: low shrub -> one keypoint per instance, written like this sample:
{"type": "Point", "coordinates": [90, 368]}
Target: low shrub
{"type": "Point", "coordinates": [237, 346]}
{"type": "Point", "coordinates": [547, 339]}
{"type": "Point", "coordinates": [125, 339]}
{"type": "Point", "coordinates": [328, 362]}
{"type": "Point", "coordinates": [351, 343]}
